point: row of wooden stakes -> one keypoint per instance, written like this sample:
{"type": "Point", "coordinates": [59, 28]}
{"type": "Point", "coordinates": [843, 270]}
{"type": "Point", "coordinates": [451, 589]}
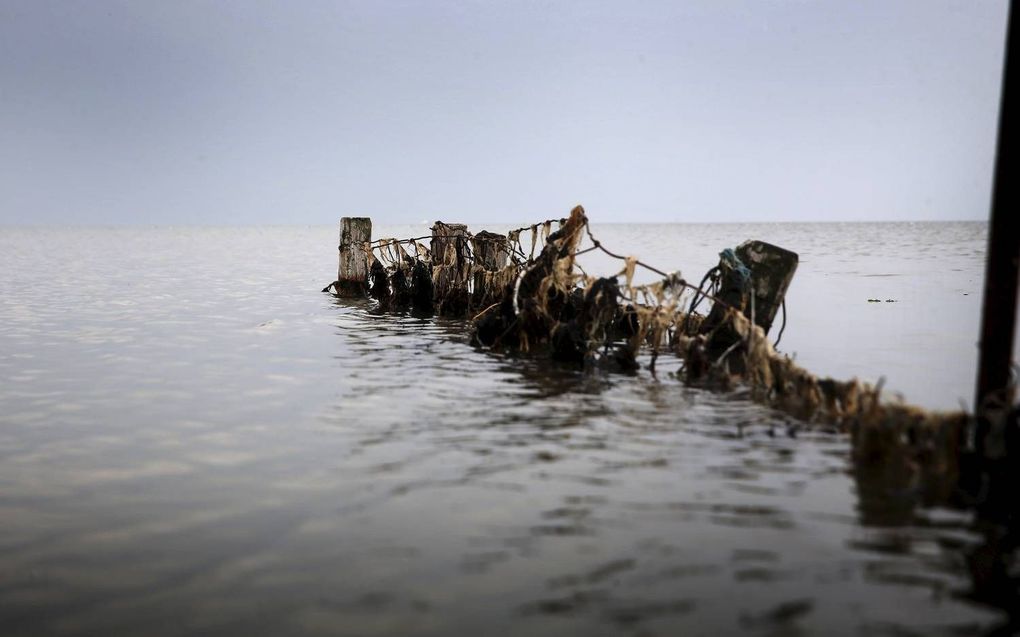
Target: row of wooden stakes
{"type": "Point", "coordinates": [456, 273]}
{"type": "Point", "coordinates": [518, 301]}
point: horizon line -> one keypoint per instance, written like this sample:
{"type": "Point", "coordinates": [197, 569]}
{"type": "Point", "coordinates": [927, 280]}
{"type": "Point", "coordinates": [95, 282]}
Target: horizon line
{"type": "Point", "coordinates": [469, 223]}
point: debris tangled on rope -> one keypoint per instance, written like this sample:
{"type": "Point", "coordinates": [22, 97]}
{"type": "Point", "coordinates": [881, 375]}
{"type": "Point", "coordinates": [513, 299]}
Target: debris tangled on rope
{"type": "Point", "coordinates": [520, 301]}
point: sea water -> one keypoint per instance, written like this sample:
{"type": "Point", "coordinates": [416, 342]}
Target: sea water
{"type": "Point", "coordinates": [195, 440]}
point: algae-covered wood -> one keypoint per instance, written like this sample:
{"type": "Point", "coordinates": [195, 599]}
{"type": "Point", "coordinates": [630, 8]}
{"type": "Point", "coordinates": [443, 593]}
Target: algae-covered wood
{"type": "Point", "coordinates": [352, 275]}
{"type": "Point", "coordinates": [772, 268]}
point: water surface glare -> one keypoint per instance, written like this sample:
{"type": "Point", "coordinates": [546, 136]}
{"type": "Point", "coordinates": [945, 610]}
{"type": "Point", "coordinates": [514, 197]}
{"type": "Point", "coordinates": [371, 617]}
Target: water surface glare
{"type": "Point", "coordinates": [195, 440]}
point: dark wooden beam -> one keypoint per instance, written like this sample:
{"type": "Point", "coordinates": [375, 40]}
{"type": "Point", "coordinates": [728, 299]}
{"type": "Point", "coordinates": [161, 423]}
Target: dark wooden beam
{"type": "Point", "coordinates": [998, 314]}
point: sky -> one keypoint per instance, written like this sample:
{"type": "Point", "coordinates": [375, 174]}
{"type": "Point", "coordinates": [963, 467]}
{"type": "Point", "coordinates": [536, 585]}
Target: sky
{"type": "Point", "coordinates": [258, 112]}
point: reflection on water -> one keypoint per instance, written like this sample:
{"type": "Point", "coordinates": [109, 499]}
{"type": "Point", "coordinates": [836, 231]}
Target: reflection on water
{"type": "Point", "coordinates": [195, 441]}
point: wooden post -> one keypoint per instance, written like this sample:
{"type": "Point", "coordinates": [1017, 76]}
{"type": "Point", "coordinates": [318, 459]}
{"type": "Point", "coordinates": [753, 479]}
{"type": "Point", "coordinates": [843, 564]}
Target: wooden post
{"type": "Point", "coordinates": [998, 313]}
{"type": "Point", "coordinates": [734, 290]}
{"type": "Point", "coordinates": [450, 267]}
{"type": "Point", "coordinates": [491, 250]}
{"type": "Point", "coordinates": [380, 288]}
{"type": "Point", "coordinates": [491, 253]}
{"type": "Point", "coordinates": [756, 271]}
{"type": "Point", "coordinates": [421, 289]}
{"type": "Point", "coordinates": [772, 269]}
{"type": "Point", "coordinates": [352, 276]}
{"type": "Point", "coordinates": [445, 236]}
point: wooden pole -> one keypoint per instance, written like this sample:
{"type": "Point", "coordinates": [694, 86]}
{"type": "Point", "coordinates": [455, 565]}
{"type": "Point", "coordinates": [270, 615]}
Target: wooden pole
{"type": "Point", "coordinates": [998, 314]}
{"type": "Point", "coordinates": [444, 237]}
{"type": "Point", "coordinates": [450, 267]}
{"type": "Point", "coordinates": [491, 251]}
{"type": "Point", "coordinates": [352, 276]}
{"type": "Point", "coordinates": [772, 269]}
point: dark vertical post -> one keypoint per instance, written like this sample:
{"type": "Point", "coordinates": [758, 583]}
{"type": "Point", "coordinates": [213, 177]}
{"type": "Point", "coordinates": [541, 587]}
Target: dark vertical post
{"type": "Point", "coordinates": [445, 236]}
{"type": "Point", "coordinates": [491, 252]}
{"type": "Point", "coordinates": [450, 268]}
{"type": "Point", "coordinates": [352, 275]}
{"type": "Point", "coordinates": [772, 269]}
{"type": "Point", "coordinates": [998, 314]}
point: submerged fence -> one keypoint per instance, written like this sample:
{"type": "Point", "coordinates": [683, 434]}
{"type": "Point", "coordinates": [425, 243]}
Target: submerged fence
{"type": "Point", "coordinates": [525, 291]}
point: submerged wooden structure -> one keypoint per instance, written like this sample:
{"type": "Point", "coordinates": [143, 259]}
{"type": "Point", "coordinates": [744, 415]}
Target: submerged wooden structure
{"type": "Point", "coordinates": [523, 302]}
{"type": "Point", "coordinates": [539, 300]}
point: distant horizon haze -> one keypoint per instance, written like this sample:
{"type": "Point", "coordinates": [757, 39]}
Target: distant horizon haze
{"type": "Point", "coordinates": [215, 113]}
{"type": "Point", "coordinates": [480, 224]}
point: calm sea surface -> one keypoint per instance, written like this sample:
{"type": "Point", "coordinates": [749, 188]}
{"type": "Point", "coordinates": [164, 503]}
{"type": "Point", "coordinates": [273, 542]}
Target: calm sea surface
{"type": "Point", "coordinates": [195, 440]}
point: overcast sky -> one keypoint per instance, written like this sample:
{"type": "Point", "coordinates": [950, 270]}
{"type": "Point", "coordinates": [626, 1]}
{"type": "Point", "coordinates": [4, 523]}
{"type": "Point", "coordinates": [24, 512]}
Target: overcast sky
{"type": "Point", "coordinates": [305, 111]}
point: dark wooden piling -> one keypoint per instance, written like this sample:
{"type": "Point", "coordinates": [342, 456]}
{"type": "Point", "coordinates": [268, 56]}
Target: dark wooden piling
{"type": "Point", "coordinates": [380, 284]}
{"type": "Point", "coordinates": [753, 280]}
{"type": "Point", "coordinates": [772, 268]}
{"type": "Point", "coordinates": [450, 268]}
{"type": "Point", "coordinates": [352, 276]}
{"type": "Point", "coordinates": [991, 472]}
{"type": "Point", "coordinates": [491, 250]}
{"type": "Point", "coordinates": [998, 314]}
{"type": "Point", "coordinates": [447, 236]}
{"type": "Point", "coordinates": [527, 314]}
{"type": "Point", "coordinates": [491, 253]}
{"type": "Point", "coordinates": [421, 289]}
{"type": "Point", "coordinates": [734, 290]}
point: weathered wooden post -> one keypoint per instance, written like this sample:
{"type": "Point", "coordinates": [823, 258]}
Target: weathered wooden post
{"type": "Point", "coordinates": [754, 280]}
{"type": "Point", "coordinates": [445, 236]}
{"type": "Point", "coordinates": [734, 290]}
{"type": "Point", "coordinates": [491, 250]}
{"type": "Point", "coordinates": [491, 253]}
{"type": "Point", "coordinates": [380, 284]}
{"type": "Point", "coordinates": [772, 269]}
{"type": "Point", "coordinates": [450, 267]}
{"type": "Point", "coordinates": [352, 276]}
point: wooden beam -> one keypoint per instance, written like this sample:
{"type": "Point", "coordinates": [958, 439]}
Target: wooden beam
{"type": "Point", "coordinates": [998, 314]}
